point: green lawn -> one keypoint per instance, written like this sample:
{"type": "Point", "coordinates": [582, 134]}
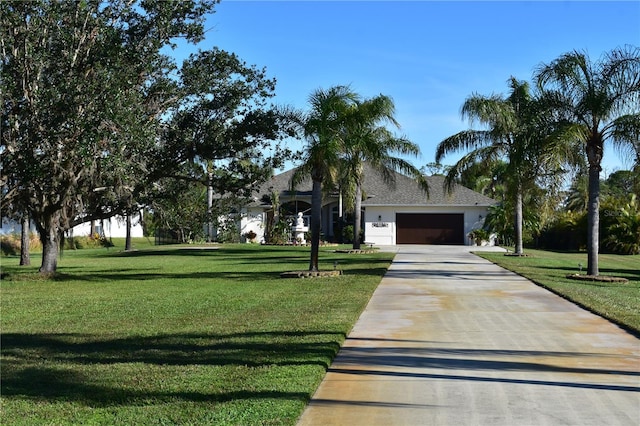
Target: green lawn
{"type": "Point", "coordinates": [183, 335]}
{"type": "Point", "coordinates": [174, 335]}
{"type": "Point", "coordinates": [619, 302]}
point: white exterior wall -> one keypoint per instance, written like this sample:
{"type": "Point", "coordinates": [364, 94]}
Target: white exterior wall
{"type": "Point", "coordinates": [382, 231]}
{"type": "Point", "coordinates": [380, 221]}
{"type": "Point", "coordinates": [116, 227]}
{"type": "Point", "coordinates": [253, 219]}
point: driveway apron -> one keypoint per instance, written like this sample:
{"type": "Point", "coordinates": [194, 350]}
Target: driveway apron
{"type": "Point", "coordinates": [451, 339]}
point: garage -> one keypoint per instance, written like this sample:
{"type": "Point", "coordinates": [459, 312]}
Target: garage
{"type": "Point", "coordinates": [430, 228]}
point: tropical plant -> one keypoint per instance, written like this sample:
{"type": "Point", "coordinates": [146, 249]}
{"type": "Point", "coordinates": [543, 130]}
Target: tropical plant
{"type": "Point", "coordinates": [499, 220]}
{"type": "Point", "coordinates": [479, 236]}
{"type": "Point", "coordinates": [596, 102]}
{"type": "Point", "coordinates": [323, 129]}
{"type": "Point", "coordinates": [487, 179]}
{"type": "Point", "coordinates": [367, 140]}
{"type": "Point", "coordinates": [577, 196]}
{"type": "Point", "coordinates": [566, 232]}
{"type": "Point", "coordinates": [509, 135]}
{"type": "Point", "coordinates": [622, 227]}
{"type": "Point", "coordinates": [250, 236]}
{"type": "Point", "coordinates": [277, 229]}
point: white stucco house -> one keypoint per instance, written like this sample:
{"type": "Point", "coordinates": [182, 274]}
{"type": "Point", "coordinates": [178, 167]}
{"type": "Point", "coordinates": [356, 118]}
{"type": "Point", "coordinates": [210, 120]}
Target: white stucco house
{"type": "Point", "coordinates": [398, 214]}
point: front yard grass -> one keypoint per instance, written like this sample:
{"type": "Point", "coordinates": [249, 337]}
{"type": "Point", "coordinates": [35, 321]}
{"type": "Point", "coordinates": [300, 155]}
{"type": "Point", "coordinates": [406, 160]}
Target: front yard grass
{"type": "Point", "coordinates": [618, 302]}
{"type": "Point", "coordinates": [174, 335]}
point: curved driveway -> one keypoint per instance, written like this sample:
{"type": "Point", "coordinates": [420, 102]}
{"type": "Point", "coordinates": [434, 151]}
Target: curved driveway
{"type": "Point", "coordinates": [451, 339]}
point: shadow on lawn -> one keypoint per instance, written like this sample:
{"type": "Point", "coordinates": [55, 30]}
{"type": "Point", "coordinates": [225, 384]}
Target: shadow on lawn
{"type": "Point", "coordinates": [108, 276]}
{"type": "Point", "coordinates": [56, 366]}
{"type": "Point", "coordinates": [251, 250]}
{"type": "Point", "coordinates": [239, 267]}
{"type": "Point", "coordinates": [228, 276]}
{"type": "Point", "coordinates": [632, 274]}
{"type": "Point", "coordinates": [61, 385]}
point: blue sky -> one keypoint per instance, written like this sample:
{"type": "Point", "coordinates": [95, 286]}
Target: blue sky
{"type": "Point", "coordinates": [427, 55]}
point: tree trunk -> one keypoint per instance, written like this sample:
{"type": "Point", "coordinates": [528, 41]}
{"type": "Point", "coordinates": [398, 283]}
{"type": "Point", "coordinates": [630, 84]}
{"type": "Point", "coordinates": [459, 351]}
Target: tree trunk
{"type": "Point", "coordinates": [127, 243]}
{"type": "Point", "coordinates": [593, 220]}
{"type": "Point", "coordinates": [316, 211]}
{"type": "Point", "coordinates": [340, 224]}
{"type": "Point", "coordinates": [25, 259]}
{"type": "Point", "coordinates": [210, 207]}
{"type": "Point", "coordinates": [50, 237]}
{"type": "Point", "coordinates": [518, 221]}
{"type": "Point", "coordinates": [357, 217]}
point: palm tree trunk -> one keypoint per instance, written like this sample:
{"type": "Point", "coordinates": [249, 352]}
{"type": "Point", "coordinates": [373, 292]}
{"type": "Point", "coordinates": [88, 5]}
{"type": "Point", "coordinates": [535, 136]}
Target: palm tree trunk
{"type": "Point", "coordinates": [340, 220]}
{"type": "Point", "coordinates": [357, 217]}
{"type": "Point", "coordinates": [316, 210]}
{"type": "Point", "coordinates": [25, 259]}
{"type": "Point", "coordinates": [518, 219]}
{"type": "Point", "coordinates": [593, 220]}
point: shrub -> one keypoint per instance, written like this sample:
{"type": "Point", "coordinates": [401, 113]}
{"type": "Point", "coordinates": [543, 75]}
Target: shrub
{"type": "Point", "coordinates": [228, 232]}
{"type": "Point", "coordinates": [567, 232]}
{"type": "Point", "coordinates": [278, 233]}
{"type": "Point", "coordinates": [9, 245]}
{"type": "Point", "coordinates": [87, 242]}
{"type": "Point", "coordinates": [250, 235]}
{"type": "Point", "coordinates": [347, 234]}
{"type": "Point", "coordinates": [622, 227]}
{"type": "Point", "coordinates": [479, 235]}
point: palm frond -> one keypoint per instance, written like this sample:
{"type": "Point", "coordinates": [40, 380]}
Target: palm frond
{"type": "Point", "coordinates": [465, 140]}
{"type": "Point", "coordinates": [624, 133]}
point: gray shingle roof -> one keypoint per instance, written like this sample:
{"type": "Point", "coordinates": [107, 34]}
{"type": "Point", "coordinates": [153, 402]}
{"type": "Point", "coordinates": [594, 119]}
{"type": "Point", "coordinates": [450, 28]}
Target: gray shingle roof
{"type": "Point", "coordinates": [405, 191]}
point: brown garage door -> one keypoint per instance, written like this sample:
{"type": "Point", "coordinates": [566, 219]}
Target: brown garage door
{"type": "Point", "coordinates": [429, 228]}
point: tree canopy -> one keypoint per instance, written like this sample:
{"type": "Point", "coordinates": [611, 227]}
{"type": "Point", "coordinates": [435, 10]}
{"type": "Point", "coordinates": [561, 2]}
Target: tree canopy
{"type": "Point", "coordinates": [599, 101]}
{"type": "Point", "coordinates": [95, 114]}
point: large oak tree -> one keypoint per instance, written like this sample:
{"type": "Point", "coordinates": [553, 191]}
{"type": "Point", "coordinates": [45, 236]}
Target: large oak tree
{"type": "Point", "coordinates": [95, 113]}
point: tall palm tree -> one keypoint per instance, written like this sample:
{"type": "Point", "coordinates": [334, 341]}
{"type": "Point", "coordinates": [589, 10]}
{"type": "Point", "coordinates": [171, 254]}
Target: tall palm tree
{"type": "Point", "coordinates": [511, 124]}
{"type": "Point", "coordinates": [367, 140]}
{"type": "Point", "coordinates": [323, 129]}
{"type": "Point", "coordinates": [601, 102]}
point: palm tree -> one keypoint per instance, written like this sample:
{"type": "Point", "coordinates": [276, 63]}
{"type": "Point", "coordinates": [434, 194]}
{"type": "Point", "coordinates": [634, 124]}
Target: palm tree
{"type": "Point", "coordinates": [510, 134]}
{"type": "Point", "coordinates": [601, 103]}
{"type": "Point", "coordinates": [367, 140]}
{"type": "Point", "coordinates": [323, 130]}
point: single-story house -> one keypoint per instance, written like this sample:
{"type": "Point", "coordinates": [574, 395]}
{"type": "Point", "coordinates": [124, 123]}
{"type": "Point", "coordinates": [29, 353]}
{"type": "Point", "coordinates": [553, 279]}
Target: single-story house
{"type": "Point", "coordinates": [391, 214]}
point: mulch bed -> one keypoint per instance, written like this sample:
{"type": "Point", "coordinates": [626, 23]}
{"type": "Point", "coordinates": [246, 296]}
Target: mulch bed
{"type": "Point", "coordinates": [358, 251]}
{"type": "Point", "coordinates": [601, 278]}
{"type": "Point", "coordinates": [311, 274]}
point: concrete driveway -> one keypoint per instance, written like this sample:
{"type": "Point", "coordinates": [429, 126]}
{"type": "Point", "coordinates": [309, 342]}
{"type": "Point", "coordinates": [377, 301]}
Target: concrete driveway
{"type": "Point", "coordinates": [451, 339]}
